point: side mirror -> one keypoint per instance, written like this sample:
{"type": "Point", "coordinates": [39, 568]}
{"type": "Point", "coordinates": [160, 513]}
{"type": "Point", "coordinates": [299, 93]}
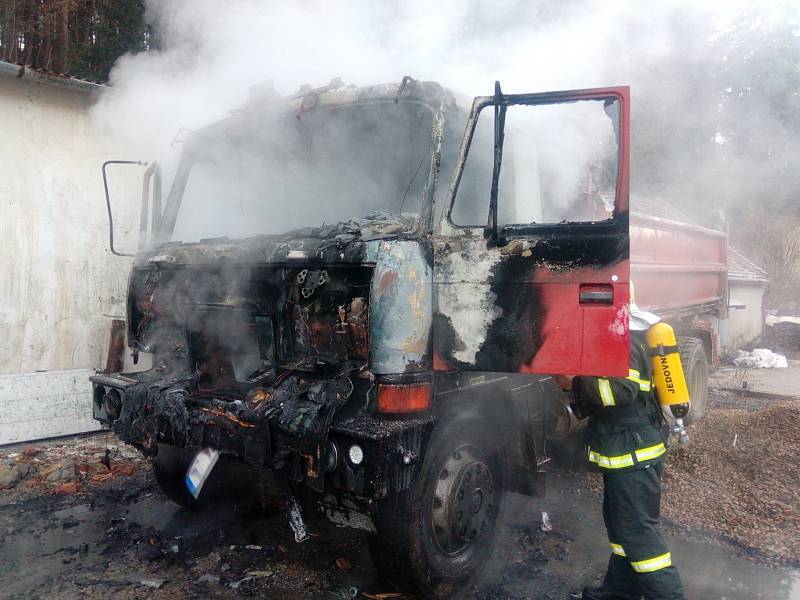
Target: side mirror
{"type": "Point", "coordinates": [152, 180]}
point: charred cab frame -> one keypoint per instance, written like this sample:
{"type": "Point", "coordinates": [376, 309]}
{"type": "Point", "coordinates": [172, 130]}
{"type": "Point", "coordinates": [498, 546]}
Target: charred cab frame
{"type": "Point", "coordinates": [384, 361]}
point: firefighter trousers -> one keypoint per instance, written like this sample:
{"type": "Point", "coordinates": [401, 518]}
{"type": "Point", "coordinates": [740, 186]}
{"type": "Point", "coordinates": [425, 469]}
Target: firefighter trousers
{"type": "Point", "coordinates": [640, 563]}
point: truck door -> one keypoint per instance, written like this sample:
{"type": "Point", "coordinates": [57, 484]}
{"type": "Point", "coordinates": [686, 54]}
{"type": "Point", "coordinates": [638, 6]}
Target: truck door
{"type": "Point", "coordinates": [531, 254]}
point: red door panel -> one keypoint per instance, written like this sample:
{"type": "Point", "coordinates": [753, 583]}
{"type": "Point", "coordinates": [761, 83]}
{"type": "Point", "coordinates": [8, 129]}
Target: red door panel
{"type": "Point", "coordinates": [540, 296]}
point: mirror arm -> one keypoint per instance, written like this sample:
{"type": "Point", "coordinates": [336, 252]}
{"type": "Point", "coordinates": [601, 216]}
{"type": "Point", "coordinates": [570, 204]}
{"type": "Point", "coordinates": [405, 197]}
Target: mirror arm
{"type": "Point", "coordinates": [499, 136]}
{"type": "Point", "coordinates": [108, 201]}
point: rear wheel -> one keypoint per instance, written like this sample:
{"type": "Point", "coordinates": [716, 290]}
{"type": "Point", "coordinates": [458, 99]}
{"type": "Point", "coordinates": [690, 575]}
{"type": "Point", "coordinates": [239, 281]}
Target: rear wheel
{"type": "Point", "coordinates": [435, 537]}
{"type": "Point", "coordinates": [230, 483]}
{"type": "Point", "coordinates": [695, 369]}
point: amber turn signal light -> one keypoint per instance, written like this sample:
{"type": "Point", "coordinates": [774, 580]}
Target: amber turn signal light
{"type": "Point", "coordinates": [403, 398]}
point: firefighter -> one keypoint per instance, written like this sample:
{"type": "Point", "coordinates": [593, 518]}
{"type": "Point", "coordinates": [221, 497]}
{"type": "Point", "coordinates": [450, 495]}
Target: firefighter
{"type": "Point", "coordinates": [627, 441]}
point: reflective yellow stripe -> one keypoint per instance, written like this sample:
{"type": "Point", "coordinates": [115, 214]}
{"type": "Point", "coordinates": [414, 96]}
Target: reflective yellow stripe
{"type": "Point", "coordinates": [616, 549]}
{"type": "Point", "coordinates": [650, 452]}
{"type": "Point", "coordinates": [652, 564]}
{"type": "Point", "coordinates": [626, 460]}
{"type": "Point", "coordinates": [636, 377]}
{"type": "Point", "coordinates": [611, 462]}
{"type": "Point", "coordinates": [605, 392]}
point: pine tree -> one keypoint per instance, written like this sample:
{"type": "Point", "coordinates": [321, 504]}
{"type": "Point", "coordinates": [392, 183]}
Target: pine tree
{"type": "Point", "coordinates": [80, 38]}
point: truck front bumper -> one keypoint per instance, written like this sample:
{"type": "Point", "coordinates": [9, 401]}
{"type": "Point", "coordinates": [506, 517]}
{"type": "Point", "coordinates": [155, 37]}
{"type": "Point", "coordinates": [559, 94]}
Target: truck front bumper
{"type": "Point", "coordinates": [145, 414]}
{"type": "Point", "coordinates": [303, 440]}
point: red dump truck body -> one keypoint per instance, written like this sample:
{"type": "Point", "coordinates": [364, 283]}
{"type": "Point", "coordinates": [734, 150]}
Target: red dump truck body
{"type": "Point", "coordinates": [680, 269]}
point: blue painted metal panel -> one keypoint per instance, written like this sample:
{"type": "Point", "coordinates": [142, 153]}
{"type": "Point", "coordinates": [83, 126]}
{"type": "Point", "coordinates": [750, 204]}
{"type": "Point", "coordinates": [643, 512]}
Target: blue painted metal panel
{"type": "Point", "coordinates": [401, 308]}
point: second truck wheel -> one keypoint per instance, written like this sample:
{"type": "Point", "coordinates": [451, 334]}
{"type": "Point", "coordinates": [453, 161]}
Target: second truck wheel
{"type": "Point", "coordinates": [695, 367]}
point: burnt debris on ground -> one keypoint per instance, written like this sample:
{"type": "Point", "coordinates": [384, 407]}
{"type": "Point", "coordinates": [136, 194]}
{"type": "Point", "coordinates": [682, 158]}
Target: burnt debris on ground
{"type": "Point", "coordinates": [112, 534]}
{"type": "Point", "coordinates": [67, 466]}
{"type": "Point", "coordinates": [84, 518]}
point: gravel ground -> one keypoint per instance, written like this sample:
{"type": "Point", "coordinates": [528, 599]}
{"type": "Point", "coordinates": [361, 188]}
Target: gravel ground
{"type": "Point", "coordinates": [738, 480]}
{"type": "Point", "coordinates": [740, 476]}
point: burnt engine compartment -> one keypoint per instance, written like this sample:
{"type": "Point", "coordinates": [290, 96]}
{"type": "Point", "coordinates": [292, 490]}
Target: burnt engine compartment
{"type": "Point", "coordinates": [269, 365]}
{"type": "Point", "coordinates": [235, 347]}
{"type": "Point", "coordinates": [233, 324]}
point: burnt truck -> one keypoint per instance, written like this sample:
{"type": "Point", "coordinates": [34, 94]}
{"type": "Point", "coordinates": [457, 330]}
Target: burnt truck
{"type": "Point", "coordinates": [357, 298]}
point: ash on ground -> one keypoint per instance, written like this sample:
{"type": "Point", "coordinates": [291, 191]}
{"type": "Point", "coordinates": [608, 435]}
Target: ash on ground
{"type": "Point", "coordinates": [84, 519]}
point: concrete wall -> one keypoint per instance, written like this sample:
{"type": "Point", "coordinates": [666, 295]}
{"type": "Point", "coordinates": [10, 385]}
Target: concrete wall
{"type": "Point", "coordinates": [59, 284]}
{"type": "Point", "coordinates": [743, 325]}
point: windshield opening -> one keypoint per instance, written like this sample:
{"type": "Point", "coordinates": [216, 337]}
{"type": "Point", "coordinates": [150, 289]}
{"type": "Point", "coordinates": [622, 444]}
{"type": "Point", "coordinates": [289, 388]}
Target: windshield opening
{"type": "Point", "coordinates": [279, 173]}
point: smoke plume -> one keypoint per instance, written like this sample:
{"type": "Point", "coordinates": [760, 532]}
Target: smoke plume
{"type": "Point", "coordinates": [715, 84]}
{"type": "Point", "coordinates": [211, 53]}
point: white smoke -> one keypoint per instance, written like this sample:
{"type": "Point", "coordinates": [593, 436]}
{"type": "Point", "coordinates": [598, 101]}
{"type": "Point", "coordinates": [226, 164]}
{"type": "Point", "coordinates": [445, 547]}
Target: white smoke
{"type": "Point", "coordinates": [211, 52]}
{"type": "Point", "coordinates": [700, 71]}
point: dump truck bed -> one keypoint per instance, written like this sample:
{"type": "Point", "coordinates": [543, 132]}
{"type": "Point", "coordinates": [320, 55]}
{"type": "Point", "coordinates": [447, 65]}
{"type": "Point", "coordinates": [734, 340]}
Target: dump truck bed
{"type": "Point", "coordinates": [679, 268]}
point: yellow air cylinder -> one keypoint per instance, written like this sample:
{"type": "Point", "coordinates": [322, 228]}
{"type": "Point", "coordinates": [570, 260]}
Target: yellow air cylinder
{"type": "Point", "coordinates": [668, 377]}
{"type": "Point", "coordinates": [668, 374]}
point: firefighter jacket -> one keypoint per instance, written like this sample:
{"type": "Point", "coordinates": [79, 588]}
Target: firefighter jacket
{"type": "Point", "coordinates": [627, 430]}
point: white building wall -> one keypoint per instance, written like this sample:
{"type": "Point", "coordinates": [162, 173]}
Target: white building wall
{"type": "Point", "coordinates": [60, 286]}
{"type": "Point", "coordinates": [743, 325]}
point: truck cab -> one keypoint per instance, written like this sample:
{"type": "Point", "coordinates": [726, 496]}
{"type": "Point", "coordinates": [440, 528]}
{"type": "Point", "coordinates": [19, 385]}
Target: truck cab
{"type": "Point", "coordinates": [364, 292]}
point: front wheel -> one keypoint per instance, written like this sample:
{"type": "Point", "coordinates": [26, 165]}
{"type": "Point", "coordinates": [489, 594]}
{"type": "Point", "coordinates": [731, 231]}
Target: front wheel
{"type": "Point", "coordinates": [435, 537]}
{"type": "Point", "coordinates": [230, 484]}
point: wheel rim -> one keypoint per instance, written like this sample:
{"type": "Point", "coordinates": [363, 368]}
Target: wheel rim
{"type": "Point", "coordinates": [463, 504]}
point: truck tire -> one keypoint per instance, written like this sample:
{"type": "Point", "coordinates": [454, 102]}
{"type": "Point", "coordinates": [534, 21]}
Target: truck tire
{"type": "Point", "coordinates": [229, 482]}
{"type": "Point", "coordinates": [435, 537]}
{"type": "Point", "coordinates": [695, 368]}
